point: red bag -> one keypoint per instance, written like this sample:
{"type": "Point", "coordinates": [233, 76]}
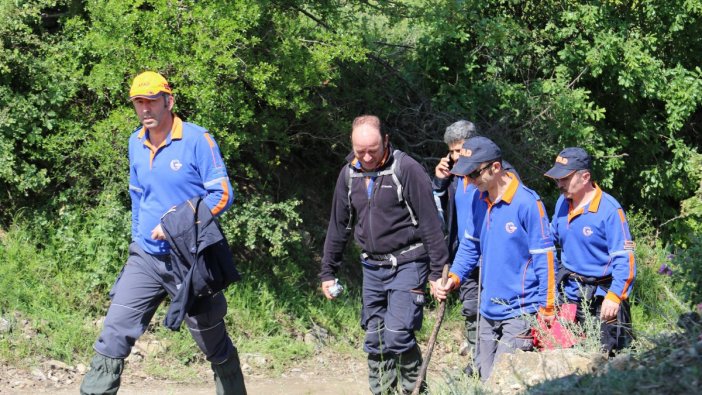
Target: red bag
{"type": "Point", "coordinates": [557, 335]}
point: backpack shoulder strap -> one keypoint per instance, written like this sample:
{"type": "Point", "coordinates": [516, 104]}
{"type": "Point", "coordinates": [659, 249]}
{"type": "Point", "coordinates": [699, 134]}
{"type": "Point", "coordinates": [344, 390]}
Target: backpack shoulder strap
{"type": "Point", "coordinates": [396, 172]}
{"type": "Point", "coordinates": [349, 173]}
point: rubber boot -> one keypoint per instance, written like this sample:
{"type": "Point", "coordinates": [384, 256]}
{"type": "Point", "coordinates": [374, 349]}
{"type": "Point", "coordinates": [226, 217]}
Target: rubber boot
{"type": "Point", "coordinates": [469, 350]}
{"type": "Point", "coordinates": [229, 379]}
{"type": "Point", "coordinates": [382, 374]}
{"type": "Point", "coordinates": [410, 363]}
{"type": "Point", "coordinates": [104, 376]}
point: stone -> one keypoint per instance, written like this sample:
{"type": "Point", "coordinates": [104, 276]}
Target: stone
{"type": "Point", "coordinates": [5, 325]}
{"type": "Point", "coordinates": [54, 364]}
{"type": "Point", "coordinates": [512, 373]}
{"type": "Point", "coordinates": [38, 374]}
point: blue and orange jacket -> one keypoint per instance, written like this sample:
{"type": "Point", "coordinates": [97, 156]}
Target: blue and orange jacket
{"type": "Point", "coordinates": [518, 265]}
{"type": "Point", "coordinates": [595, 242]}
{"type": "Point", "coordinates": [453, 195]}
{"type": "Point", "coordinates": [188, 163]}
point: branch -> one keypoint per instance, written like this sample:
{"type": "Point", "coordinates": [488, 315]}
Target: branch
{"type": "Point", "coordinates": [545, 110]}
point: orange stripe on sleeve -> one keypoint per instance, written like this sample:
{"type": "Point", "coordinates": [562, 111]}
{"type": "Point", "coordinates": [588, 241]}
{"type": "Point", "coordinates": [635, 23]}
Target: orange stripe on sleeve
{"type": "Point", "coordinates": [551, 290]}
{"type": "Point", "coordinates": [223, 201]}
{"type": "Point", "coordinates": [212, 150]}
{"type": "Point", "coordinates": [630, 278]}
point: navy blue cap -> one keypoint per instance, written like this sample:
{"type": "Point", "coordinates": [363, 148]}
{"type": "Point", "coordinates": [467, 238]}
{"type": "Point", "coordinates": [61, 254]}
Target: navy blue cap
{"type": "Point", "coordinates": [476, 150]}
{"type": "Point", "coordinates": [569, 160]}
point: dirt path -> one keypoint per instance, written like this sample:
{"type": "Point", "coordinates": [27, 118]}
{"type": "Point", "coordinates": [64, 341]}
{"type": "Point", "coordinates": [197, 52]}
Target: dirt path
{"type": "Point", "coordinates": [348, 379]}
{"type": "Point", "coordinates": [277, 386]}
{"type": "Point", "coordinates": [324, 374]}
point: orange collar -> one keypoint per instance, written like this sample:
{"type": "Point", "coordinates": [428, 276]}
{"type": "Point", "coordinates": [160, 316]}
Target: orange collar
{"type": "Point", "coordinates": [511, 189]}
{"type": "Point", "coordinates": [509, 192]}
{"type": "Point", "coordinates": [593, 206]}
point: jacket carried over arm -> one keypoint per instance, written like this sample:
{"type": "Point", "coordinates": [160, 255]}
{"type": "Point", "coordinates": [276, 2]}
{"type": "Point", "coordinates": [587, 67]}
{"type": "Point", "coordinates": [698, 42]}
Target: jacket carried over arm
{"type": "Point", "coordinates": [200, 252]}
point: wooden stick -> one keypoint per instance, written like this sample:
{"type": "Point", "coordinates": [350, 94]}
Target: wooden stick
{"type": "Point", "coordinates": [432, 337]}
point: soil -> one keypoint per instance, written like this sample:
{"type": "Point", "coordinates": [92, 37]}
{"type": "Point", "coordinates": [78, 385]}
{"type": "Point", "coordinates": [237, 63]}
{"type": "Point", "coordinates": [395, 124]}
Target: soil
{"type": "Point", "coordinates": [325, 373]}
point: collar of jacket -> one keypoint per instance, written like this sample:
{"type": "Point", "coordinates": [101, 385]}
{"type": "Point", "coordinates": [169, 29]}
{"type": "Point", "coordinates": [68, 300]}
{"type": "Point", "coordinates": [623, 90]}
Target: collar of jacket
{"type": "Point", "coordinates": [353, 162]}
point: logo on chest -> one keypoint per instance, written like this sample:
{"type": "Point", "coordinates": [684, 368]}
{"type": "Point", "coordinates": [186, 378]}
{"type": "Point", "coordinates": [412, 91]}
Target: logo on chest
{"type": "Point", "coordinates": [587, 231]}
{"type": "Point", "coordinates": [510, 227]}
{"type": "Point", "coordinates": [176, 165]}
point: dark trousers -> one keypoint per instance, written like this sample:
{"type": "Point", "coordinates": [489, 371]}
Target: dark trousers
{"type": "Point", "coordinates": [393, 303]}
{"type": "Point", "coordinates": [615, 334]}
{"type": "Point", "coordinates": [143, 284]}
{"type": "Point", "coordinates": [469, 292]}
{"type": "Point", "coordinates": [499, 337]}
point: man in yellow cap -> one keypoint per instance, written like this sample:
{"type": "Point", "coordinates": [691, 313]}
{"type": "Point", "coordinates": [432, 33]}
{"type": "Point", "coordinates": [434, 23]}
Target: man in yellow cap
{"type": "Point", "coordinates": [170, 162]}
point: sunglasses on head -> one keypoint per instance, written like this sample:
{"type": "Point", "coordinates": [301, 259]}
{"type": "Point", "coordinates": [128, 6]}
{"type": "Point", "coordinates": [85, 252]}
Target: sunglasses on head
{"type": "Point", "coordinates": [477, 172]}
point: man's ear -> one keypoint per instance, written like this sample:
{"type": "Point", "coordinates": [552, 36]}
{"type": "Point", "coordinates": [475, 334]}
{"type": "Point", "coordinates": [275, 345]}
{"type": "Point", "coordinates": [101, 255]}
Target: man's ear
{"type": "Point", "coordinates": [170, 102]}
{"type": "Point", "coordinates": [586, 176]}
{"type": "Point", "coordinates": [497, 166]}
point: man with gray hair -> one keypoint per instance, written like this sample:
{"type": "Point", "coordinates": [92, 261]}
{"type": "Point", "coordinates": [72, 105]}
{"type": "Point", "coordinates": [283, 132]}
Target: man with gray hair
{"type": "Point", "coordinates": [452, 195]}
{"type": "Point", "coordinates": [449, 191]}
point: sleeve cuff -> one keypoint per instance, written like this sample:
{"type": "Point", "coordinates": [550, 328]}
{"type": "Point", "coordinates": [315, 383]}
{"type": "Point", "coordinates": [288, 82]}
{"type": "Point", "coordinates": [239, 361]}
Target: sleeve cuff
{"type": "Point", "coordinates": [456, 281]}
{"type": "Point", "coordinates": [547, 311]}
{"type": "Point", "coordinates": [440, 184]}
{"type": "Point", "coordinates": [612, 297]}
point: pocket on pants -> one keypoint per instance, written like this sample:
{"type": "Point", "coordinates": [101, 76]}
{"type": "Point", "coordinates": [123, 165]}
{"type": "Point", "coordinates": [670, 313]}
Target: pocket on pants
{"type": "Point", "coordinates": [114, 285]}
{"type": "Point", "coordinates": [417, 308]}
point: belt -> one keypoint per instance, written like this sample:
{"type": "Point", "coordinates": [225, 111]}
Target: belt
{"type": "Point", "coordinates": [391, 257]}
{"type": "Point", "coordinates": [591, 280]}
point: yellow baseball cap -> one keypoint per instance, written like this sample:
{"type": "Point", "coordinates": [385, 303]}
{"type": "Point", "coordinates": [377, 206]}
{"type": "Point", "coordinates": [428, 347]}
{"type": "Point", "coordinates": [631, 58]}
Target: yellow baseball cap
{"type": "Point", "coordinates": [149, 85]}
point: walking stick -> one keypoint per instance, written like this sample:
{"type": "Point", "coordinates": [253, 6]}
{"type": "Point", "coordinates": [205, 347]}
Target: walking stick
{"type": "Point", "coordinates": [432, 337]}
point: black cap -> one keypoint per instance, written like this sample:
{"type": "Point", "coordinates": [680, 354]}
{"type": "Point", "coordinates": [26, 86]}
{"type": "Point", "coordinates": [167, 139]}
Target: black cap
{"type": "Point", "coordinates": [476, 150]}
{"type": "Point", "coordinates": [569, 160]}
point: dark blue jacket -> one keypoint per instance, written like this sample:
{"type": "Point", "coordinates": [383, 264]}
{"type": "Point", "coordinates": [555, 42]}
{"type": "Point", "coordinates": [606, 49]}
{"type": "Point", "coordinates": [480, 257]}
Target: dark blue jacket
{"type": "Point", "coordinates": [201, 254]}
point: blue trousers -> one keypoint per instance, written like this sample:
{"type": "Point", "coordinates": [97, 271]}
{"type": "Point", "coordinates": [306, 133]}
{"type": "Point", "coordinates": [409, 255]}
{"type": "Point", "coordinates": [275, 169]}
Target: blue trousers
{"type": "Point", "coordinates": [393, 304]}
{"type": "Point", "coordinates": [142, 285]}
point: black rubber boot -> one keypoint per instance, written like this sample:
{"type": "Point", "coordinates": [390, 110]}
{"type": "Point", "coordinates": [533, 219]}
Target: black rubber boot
{"type": "Point", "coordinates": [382, 374]}
{"type": "Point", "coordinates": [104, 376]}
{"type": "Point", "coordinates": [410, 363]}
{"type": "Point", "coordinates": [228, 377]}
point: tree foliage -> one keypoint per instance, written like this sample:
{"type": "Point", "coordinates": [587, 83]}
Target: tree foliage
{"type": "Point", "coordinates": [277, 83]}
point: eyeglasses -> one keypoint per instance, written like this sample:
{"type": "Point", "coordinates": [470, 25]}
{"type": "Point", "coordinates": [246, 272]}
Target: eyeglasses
{"type": "Point", "coordinates": [476, 173]}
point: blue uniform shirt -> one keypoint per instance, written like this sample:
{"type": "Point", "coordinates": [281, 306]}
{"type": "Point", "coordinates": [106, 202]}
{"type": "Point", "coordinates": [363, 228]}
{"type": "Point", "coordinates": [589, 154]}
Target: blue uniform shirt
{"type": "Point", "coordinates": [187, 164]}
{"type": "Point", "coordinates": [595, 242]}
{"type": "Point", "coordinates": [512, 236]}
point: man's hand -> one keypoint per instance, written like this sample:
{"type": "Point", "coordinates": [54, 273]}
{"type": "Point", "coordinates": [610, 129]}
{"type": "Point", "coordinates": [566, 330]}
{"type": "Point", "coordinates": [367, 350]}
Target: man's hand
{"type": "Point", "coordinates": [440, 292]}
{"type": "Point", "coordinates": [157, 233]}
{"type": "Point", "coordinates": [325, 288]}
{"type": "Point", "coordinates": [442, 169]}
{"type": "Point", "coordinates": [609, 310]}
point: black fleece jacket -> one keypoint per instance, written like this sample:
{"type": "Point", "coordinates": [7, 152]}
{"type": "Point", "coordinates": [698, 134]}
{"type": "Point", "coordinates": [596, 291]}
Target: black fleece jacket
{"type": "Point", "coordinates": [383, 224]}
